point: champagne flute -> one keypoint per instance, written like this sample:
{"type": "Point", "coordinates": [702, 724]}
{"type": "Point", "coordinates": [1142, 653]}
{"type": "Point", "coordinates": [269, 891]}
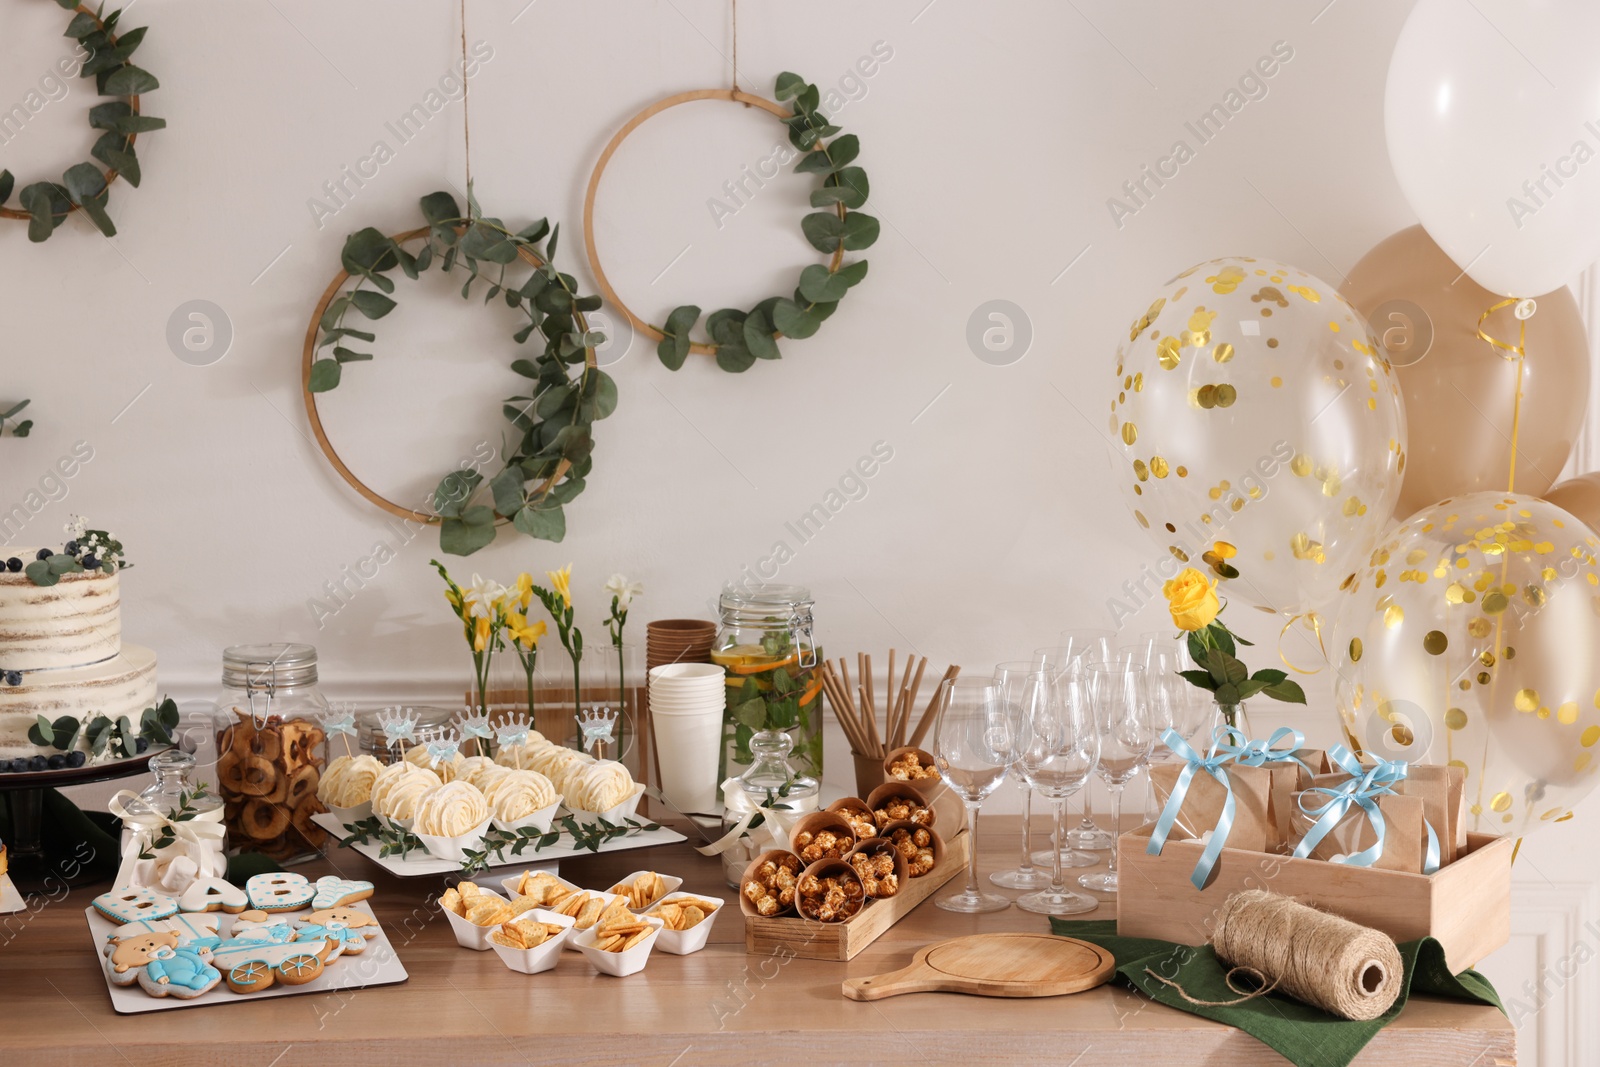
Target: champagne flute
{"type": "Point", "coordinates": [1012, 678]}
{"type": "Point", "coordinates": [1118, 693]}
{"type": "Point", "coordinates": [1057, 747]}
{"type": "Point", "coordinates": [972, 749]}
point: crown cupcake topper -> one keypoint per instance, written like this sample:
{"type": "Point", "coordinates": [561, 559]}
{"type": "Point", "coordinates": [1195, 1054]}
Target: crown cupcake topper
{"type": "Point", "coordinates": [444, 750]}
{"type": "Point", "coordinates": [474, 726]}
{"type": "Point", "coordinates": [514, 731]}
{"type": "Point", "coordinates": [341, 720]}
{"type": "Point", "coordinates": [398, 724]}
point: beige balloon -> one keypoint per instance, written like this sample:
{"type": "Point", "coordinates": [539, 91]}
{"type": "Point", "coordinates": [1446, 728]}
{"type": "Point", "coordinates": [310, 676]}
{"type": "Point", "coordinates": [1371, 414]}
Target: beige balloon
{"type": "Point", "coordinates": [1579, 496]}
{"type": "Point", "coordinates": [1460, 391]}
{"type": "Point", "coordinates": [1473, 626]}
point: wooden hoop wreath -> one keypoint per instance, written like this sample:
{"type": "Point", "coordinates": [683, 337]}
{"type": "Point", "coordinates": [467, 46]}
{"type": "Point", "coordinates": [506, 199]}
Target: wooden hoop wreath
{"type": "Point", "coordinates": [309, 356]}
{"type": "Point", "coordinates": [121, 122]}
{"type": "Point", "coordinates": [809, 132]}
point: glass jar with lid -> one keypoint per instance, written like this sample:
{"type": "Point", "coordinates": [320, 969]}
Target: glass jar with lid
{"type": "Point", "coordinates": [190, 809]}
{"type": "Point", "coordinates": [770, 788]}
{"type": "Point", "coordinates": [271, 749]}
{"type": "Point", "coordinates": [767, 646]}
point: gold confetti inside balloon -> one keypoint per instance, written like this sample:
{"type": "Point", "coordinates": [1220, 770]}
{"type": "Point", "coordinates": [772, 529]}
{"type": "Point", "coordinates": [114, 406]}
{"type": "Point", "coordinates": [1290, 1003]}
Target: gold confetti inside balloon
{"type": "Point", "coordinates": [1261, 432]}
{"type": "Point", "coordinates": [1470, 638]}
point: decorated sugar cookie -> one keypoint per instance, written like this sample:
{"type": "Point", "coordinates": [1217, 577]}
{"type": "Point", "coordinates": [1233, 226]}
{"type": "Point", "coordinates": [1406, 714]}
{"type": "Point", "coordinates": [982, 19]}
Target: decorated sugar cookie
{"type": "Point", "coordinates": [135, 902]}
{"type": "Point", "coordinates": [161, 963]}
{"type": "Point", "coordinates": [198, 932]}
{"type": "Point", "coordinates": [279, 891]}
{"type": "Point", "coordinates": [213, 894]}
{"type": "Point", "coordinates": [251, 967]}
{"type": "Point", "coordinates": [266, 929]}
{"type": "Point", "coordinates": [331, 892]}
{"type": "Point", "coordinates": [348, 927]}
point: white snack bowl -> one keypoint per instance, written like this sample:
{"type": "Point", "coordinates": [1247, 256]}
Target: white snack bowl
{"type": "Point", "coordinates": [470, 935]}
{"type": "Point", "coordinates": [510, 884]}
{"type": "Point", "coordinates": [617, 964]}
{"type": "Point", "coordinates": [454, 849]}
{"type": "Point", "coordinates": [669, 883]}
{"type": "Point", "coordinates": [615, 815]}
{"type": "Point", "coordinates": [541, 957]}
{"type": "Point", "coordinates": [683, 942]}
{"type": "Point", "coordinates": [606, 899]}
{"type": "Point", "coordinates": [539, 820]}
{"type": "Point", "coordinates": [347, 816]}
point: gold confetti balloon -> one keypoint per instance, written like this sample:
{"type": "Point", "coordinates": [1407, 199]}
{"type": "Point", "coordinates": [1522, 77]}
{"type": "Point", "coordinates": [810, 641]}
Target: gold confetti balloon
{"type": "Point", "coordinates": [1470, 637]}
{"type": "Point", "coordinates": [1260, 430]}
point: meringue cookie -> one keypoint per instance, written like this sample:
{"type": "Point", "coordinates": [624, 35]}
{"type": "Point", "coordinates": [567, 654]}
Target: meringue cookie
{"type": "Point", "coordinates": [515, 794]}
{"type": "Point", "coordinates": [450, 810]}
{"type": "Point", "coordinates": [517, 755]}
{"type": "Point", "coordinates": [446, 769]}
{"type": "Point", "coordinates": [396, 789]}
{"type": "Point", "coordinates": [477, 770]}
{"type": "Point", "coordinates": [561, 765]}
{"type": "Point", "coordinates": [600, 787]}
{"type": "Point", "coordinates": [348, 781]}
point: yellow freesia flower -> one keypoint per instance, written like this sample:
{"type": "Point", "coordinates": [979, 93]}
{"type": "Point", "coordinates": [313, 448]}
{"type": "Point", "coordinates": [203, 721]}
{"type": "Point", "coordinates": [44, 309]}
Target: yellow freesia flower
{"type": "Point", "coordinates": [561, 581]}
{"type": "Point", "coordinates": [480, 634]}
{"type": "Point", "coordinates": [522, 632]}
{"type": "Point", "coordinates": [524, 590]}
{"type": "Point", "coordinates": [455, 601]}
{"type": "Point", "coordinates": [1192, 599]}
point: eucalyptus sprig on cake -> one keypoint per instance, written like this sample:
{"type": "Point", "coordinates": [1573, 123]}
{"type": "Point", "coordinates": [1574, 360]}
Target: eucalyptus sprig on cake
{"type": "Point", "coordinates": [88, 550]}
{"type": "Point", "coordinates": [107, 738]}
{"type": "Point", "coordinates": [739, 338]}
{"type": "Point", "coordinates": [549, 457]}
{"type": "Point", "coordinates": [84, 187]}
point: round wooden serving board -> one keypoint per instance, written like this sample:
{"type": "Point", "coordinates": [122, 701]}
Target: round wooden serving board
{"type": "Point", "coordinates": [994, 965]}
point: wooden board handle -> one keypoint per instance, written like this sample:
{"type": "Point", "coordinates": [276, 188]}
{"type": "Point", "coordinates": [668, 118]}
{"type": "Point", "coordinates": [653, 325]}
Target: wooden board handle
{"type": "Point", "coordinates": [917, 978]}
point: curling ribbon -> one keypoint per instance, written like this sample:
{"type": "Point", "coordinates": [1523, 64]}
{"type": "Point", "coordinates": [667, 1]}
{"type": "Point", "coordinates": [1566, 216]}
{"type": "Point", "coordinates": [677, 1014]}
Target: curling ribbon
{"type": "Point", "coordinates": [1314, 621]}
{"type": "Point", "coordinates": [1524, 311]}
{"type": "Point", "coordinates": [1221, 752]}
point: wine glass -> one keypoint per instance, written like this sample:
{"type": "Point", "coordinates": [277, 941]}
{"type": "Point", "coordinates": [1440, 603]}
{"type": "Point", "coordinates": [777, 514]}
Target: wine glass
{"type": "Point", "coordinates": [1012, 678]}
{"type": "Point", "coordinates": [1078, 647]}
{"type": "Point", "coordinates": [1119, 695]}
{"type": "Point", "coordinates": [1057, 747]}
{"type": "Point", "coordinates": [972, 749]}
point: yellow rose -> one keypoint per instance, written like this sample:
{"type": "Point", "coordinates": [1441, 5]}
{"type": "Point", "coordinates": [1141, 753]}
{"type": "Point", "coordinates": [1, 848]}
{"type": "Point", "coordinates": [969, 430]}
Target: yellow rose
{"type": "Point", "coordinates": [1192, 599]}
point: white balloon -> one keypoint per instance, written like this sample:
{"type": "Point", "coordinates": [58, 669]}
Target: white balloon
{"type": "Point", "coordinates": [1492, 112]}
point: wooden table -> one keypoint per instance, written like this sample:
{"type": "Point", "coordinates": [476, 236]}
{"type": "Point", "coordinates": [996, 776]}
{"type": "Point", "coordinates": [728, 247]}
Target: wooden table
{"type": "Point", "coordinates": [718, 1006]}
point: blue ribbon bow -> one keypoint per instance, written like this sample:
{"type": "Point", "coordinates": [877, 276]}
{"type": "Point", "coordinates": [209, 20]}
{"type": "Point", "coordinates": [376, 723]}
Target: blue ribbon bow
{"type": "Point", "coordinates": [1226, 744]}
{"type": "Point", "coordinates": [1260, 753]}
{"type": "Point", "coordinates": [1362, 790]}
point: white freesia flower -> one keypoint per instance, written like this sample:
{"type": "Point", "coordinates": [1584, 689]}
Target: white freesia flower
{"type": "Point", "coordinates": [482, 594]}
{"type": "Point", "coordinates": [619, 586]}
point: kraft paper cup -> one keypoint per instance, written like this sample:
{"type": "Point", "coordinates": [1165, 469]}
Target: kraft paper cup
{"type": "Point", "coordinates": [902, 791]}
{"type": "Point", "coordinates": [683, 942]}
{"type": "Point", "coordinates": [856, 808]}
{"type": "Point", "coordinates": [887, 834]}
{"type": "Point", "coordinates": [539, 820]}
{"type": "Point", "coordinates": [455, 848]}
{"type": "Point", "coordinates": [930, 788]}
{"type": "Point", "coordinates": [618, 964]}
{"type": "Point", "coordinates": [830, 869]}
{"type": "Point", "coordinates": [540, 957]}
{"type": "Point", "coordinates": [774, 854]}
{"type": "Point", "coordinates": [873, 847]}
{"type": "Point", "coordinates": [815, 823]}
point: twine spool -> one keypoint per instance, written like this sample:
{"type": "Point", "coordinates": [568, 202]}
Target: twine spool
{"type": "Point", "coordinates": [1337, 965]}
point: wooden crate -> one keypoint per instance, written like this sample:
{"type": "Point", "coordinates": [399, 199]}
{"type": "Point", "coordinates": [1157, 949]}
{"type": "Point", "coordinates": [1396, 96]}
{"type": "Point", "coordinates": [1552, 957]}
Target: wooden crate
{"type": "Point", "coordinates": [844, 941]}
{"type": "Point", "coordinates": [1466, 906]}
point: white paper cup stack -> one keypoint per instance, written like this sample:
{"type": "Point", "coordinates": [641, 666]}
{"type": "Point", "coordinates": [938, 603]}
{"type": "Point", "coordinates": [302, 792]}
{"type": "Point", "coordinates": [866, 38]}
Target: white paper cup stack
{"type": "Point", "coordinates": [686, 702]}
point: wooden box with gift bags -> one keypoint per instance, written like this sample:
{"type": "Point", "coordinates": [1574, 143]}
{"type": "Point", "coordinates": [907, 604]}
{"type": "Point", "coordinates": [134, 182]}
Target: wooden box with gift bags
{"type": "Point", "coordinates": [1378, 842]}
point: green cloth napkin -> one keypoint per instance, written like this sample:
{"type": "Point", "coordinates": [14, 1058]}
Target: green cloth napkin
{"type": "Point", "coordinates": [75, 842]}
{"type": "Point", "coordinates": [1302, 1034]}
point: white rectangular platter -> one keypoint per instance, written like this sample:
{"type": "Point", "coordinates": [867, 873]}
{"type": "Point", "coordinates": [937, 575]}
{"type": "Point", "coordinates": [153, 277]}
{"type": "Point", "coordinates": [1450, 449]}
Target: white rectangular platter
{"type": "Point", "coordinates": [420, 862]}
{"type": "Point", "coordinates": [377, 965]}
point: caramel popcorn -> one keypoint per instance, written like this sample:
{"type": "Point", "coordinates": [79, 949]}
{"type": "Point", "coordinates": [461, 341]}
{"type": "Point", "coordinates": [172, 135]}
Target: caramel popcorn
{"type": "Point", "coordinates": [831, 899]}
{"type": "Point", "coordinates": [876, 871]}
{"type": "Point", "coordinates": [824, 844]}
{"type": "Point", "coordinates": [909, 768]}
{"type": "Point", "coordinates": [902, 809]}
{"type": "Point", "coordinates": [917, 847]}
{"type": "Point", "coordinates": [860, 820]}
{"type": "Point", "coordinates": [771, 888]}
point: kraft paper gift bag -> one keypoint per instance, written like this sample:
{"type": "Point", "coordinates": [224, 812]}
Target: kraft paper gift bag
{"type": "Point", "coordinates": [1253, 826]}
{"type": "Point", "coordinates": [1404, 840]}
{"type": "Point", "coordinates": [1289, 778]}
{"type": "Point", "coordinates": [1440, 788]}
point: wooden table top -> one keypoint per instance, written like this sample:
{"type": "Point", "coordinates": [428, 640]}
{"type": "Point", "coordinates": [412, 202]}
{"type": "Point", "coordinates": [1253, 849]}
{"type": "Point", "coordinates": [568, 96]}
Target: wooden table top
{"type": "Point", "coordinates": [718, 1006]}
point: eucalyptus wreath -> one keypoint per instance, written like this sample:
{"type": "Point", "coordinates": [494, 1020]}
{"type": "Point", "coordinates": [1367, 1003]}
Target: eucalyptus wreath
{"type": "Point", "coordinates": [548, 449]}
{"type": "Point", "coordinates": [739, 338]}
{"type": "Point", "coordinates": [84, 186]}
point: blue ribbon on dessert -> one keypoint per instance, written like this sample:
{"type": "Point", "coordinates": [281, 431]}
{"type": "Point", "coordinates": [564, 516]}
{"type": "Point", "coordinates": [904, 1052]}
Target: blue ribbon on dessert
{"type": "Point", "coordinates": [1361, 790]}
{"type": "Point", "coordinates": [1260, 753]}
{"type": "Point", "coordinates": [1226, 744]}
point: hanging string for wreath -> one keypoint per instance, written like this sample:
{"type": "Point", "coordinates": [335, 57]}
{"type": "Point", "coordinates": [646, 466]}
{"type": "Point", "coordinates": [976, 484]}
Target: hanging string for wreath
{"type": "Point", "coordinates": [739, 338]}
{"type": "Point", "coordinates": [84, 187]}
{"type": "Point", "coordinates": [547, 454]}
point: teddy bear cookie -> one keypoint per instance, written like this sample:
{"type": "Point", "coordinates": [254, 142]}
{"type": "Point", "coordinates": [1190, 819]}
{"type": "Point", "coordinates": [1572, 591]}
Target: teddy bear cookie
{"type": "Point", "coordinates": [165, 957]}
{"type": "Point", "coordinates": [349, 928]}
